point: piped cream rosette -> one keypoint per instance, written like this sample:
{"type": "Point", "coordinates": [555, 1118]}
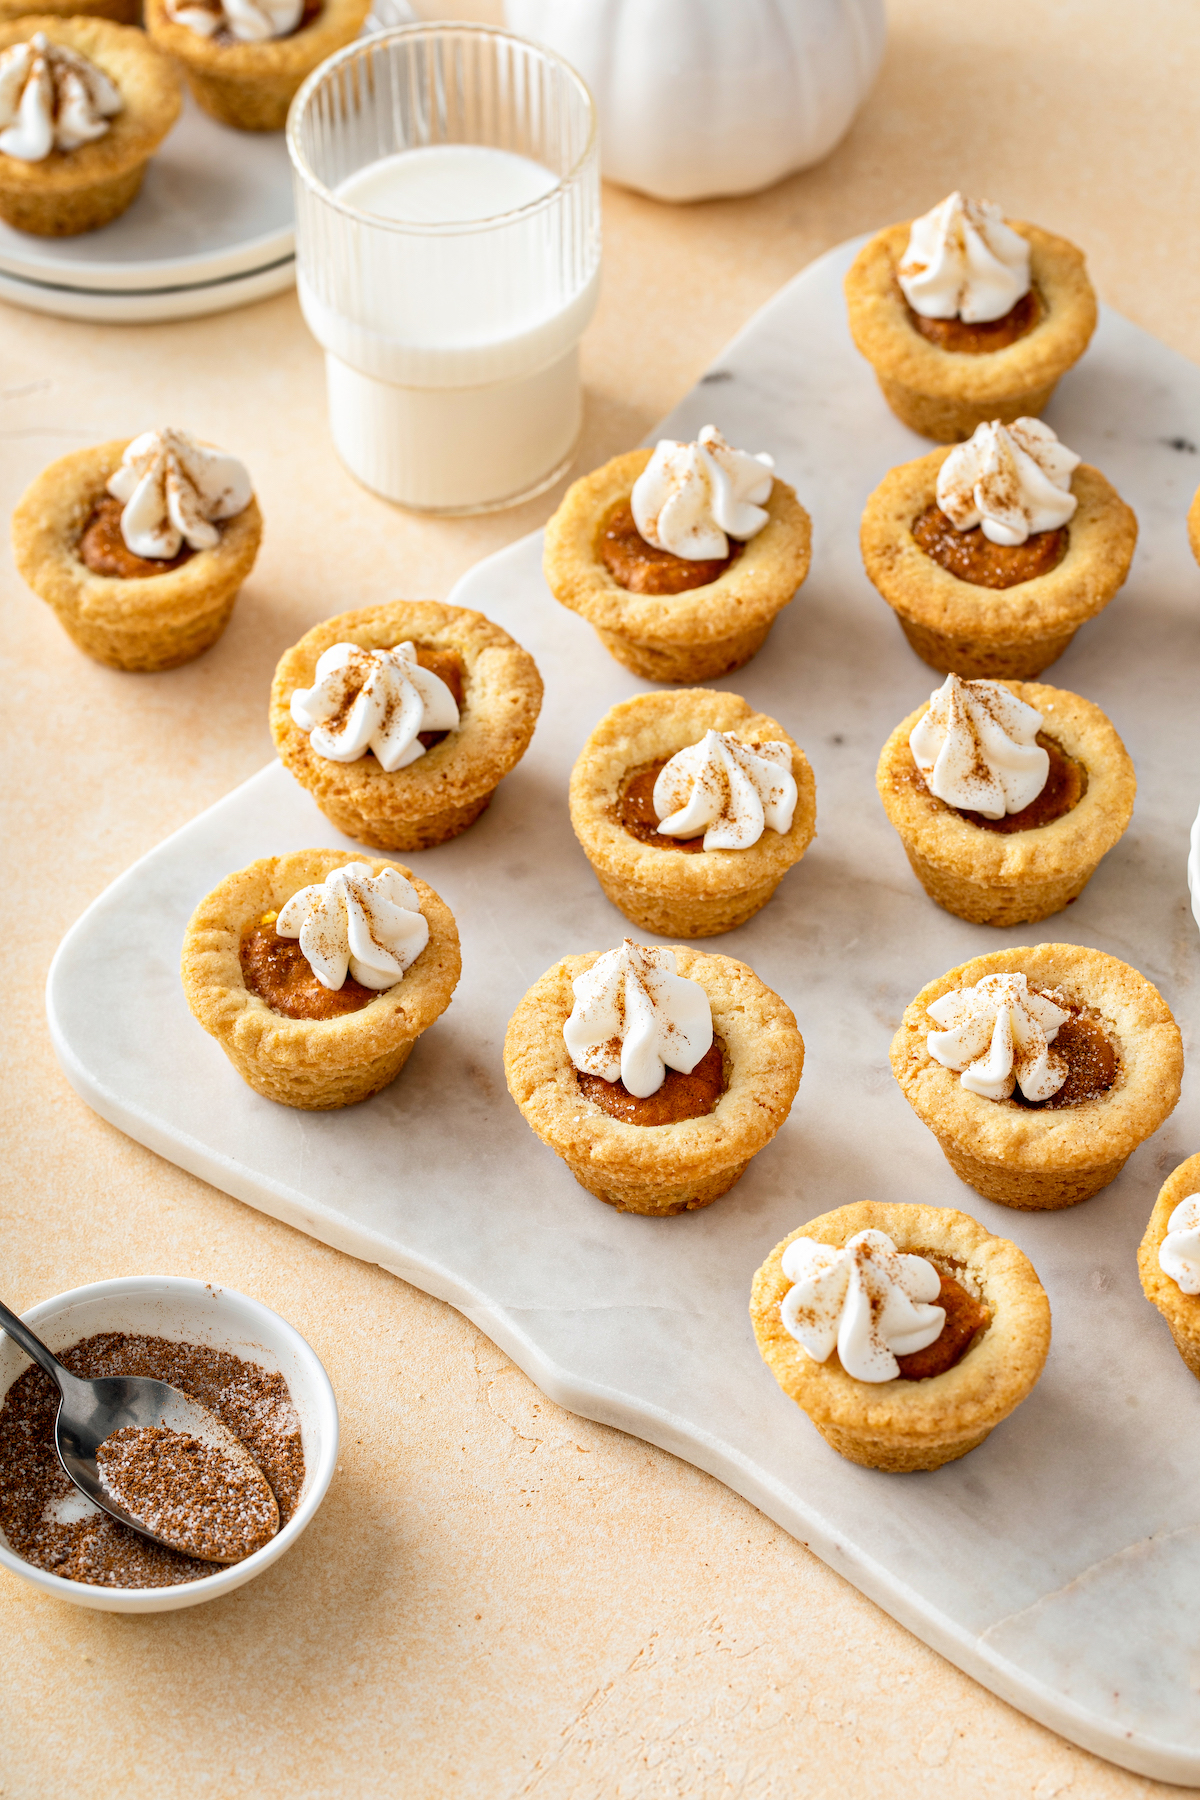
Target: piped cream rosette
{"type": "Point", "coordinates": [732, 776]}
{"type": "Point", "coordinates": [976, 751]}
{"type": "Point", "coordinates": [963, 262]}
{"type": "Point", "coordinates": [840, 1299]}
{"type": "Point", "coordinates": [637, 1013]}
{"type": "Point", "coordinates": [373, 921]}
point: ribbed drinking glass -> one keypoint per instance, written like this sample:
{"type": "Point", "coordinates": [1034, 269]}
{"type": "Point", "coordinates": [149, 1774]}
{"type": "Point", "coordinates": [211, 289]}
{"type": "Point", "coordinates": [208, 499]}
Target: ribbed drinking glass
{"type": "Point", "coordinates": [448, 259]}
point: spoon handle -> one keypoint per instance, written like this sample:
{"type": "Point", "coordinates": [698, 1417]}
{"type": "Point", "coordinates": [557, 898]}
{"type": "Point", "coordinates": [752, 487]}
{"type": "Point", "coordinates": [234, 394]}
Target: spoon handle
{"type": "Point", "coordinates": [20, 1333]}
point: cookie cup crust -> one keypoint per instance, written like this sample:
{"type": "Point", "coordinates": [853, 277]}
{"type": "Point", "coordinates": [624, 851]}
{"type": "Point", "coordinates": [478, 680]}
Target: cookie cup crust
{"type": "Point", "coordinates": [448, 787]}
{"type": "Point", "coordinates": [659, 1169]}
{"type": "Point", "coordinates": [995, 879]}
{"type": "Point", "coordinates": [1014, 633]}
{"type": "Point", "coordinates": [1035, 1160]}
{"type": "Point", "coordinates": [905, 1425]}
{"type": "Point", "coordinates": [71, 191]}
{"type": "Point", "coordinates": [945, 394]}
{"type": "Point", "coordinates": [315, 1064]}
{"type": "Point", "coordinates": [695, 894]}
{"type": "Point", "coordinates": [1180, 1311]}
{"type": "Point", "coordinates": [693, 636]}
{"type": "Point", "coordinates": [144, 624]}
{"type": "Point", "coordinates": [251, 86]}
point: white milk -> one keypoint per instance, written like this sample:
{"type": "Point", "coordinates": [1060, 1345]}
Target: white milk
{"type": "Point", "coordinates": [452, 356]}
{"type": "Point", "coordinates": [446, 183]}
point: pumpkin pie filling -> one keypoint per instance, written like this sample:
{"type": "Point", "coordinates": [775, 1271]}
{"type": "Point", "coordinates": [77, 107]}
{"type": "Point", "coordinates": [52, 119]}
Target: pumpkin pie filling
{"type": "Point", "coordinates": [980, 336]}
{"type": "Point", "coordinates": [277, 970]}
{"type": "Point", "coordinates": [680, 1096]}
{"type": "Point", "coordinates": [447, 666]}
{"type": "Point", "coordinates": [975, 558]}
{"type": "Point", "coordinates": [642, 568]}
{"type": "Point", "coordinates": [1090, 1054]}
{"type": "Point", "coordinates": [636, 814]}
{"type": "Point", "coordinates": [965, 1319]}
{"type": "Point", "coordinates": [1066, 784]}
{"type": "Point", "coordinates": [104, 551]}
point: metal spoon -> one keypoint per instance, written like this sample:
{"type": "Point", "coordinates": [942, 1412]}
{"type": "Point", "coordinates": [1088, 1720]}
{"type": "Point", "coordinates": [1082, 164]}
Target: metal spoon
{"type": "Point", "coordinates": [90, 1411]}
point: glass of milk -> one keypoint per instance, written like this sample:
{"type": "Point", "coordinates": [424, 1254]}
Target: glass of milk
{"type": "Point", "coordinates": [448, 259]}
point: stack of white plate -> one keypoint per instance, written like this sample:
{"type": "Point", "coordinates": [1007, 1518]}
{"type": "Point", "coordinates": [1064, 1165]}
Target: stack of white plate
{"type": "Point", "coordinates": [211, 229]}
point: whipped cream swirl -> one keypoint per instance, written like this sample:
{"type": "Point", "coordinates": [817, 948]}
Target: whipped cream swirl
{"type": "Point", "coordinates": [977, 748]}
{"type": "Point", "coordinates": [248, 21]}
{"type": "Point", "coordinates": [868, 1300]}
{"type": "Point", "coordinates": [1179, 1252]}
{"type": "Point", "coordinates": [175, 491]}
{"type": "Point", "coordinates": [999, 1033]}
{"type": "Point", "coordinates": [727, 790]}
{"type": "Point", "coordinates": [635, 1016]}
{"type": "Point", "coordinates": [1010, 480]}
{"type": "Point", "coordinates": [964, 262]}
{"type": "Point", "coordinates": [374, 700]}
{"type": "Point", "coordinates": [51, 98]}
{"type": "Point", "coordinates": [370, 926]}
{"type": "Point", "coordinates": [691, 499]}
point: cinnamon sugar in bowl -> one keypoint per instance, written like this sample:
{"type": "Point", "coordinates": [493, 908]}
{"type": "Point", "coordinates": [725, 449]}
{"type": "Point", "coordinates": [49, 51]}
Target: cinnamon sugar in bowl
{"type": "Point", "coordinates": [193, 1315]}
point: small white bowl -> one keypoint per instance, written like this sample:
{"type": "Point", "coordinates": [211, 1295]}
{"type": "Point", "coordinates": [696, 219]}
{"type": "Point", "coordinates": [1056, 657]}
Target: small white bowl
{"type": "Point", "coordinates": [189, 1312]}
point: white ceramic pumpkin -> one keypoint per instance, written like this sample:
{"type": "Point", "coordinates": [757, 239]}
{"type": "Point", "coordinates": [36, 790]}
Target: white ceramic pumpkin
{"type": "Point", "coordinates": [705, 97]}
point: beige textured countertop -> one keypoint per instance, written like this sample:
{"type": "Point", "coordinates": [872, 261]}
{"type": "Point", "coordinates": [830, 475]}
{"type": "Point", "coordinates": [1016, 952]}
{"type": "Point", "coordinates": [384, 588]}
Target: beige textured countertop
{"type": "Point", "coordinates": [497, 1599]}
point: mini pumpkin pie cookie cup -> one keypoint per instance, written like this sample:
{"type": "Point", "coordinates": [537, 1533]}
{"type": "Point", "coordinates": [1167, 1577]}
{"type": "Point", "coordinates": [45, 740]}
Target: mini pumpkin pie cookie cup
{"type": "Point", "coordinates": [174, 603]}
{"type": "Point", "coordinates": [756, 1056]}
{"type": "Point", "coordinates": [1081, 1053]}
{"type": "Point", "coordinates": [1004, 632]}
{"type": "Point", "coordinates": [438, 793]}
{"type": "Point", "coordinates": [250, 85]}
{"type": "Point", "coordinates": [1169, 1259]}
{"type": "Point", "coordinates": [1031, 862]}
{"type": "Point", "coordinates": [691, 635]}
{"type": "Point", "coordinates": [945, 393]}
{"type": "Point", "coordinates": [67, 191]}
{"type": "Point", "coordinates": [679, 888]}
{"type": "Point", "coordinates": [996, 1310]}
{"type": "Point", "coordinates": [335, 1058]}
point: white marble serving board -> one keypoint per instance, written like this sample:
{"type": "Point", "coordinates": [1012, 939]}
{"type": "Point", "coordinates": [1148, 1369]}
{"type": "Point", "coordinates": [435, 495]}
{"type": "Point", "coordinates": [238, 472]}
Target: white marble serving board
{"type": "Point", "coordinates": [1060, 1562]}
